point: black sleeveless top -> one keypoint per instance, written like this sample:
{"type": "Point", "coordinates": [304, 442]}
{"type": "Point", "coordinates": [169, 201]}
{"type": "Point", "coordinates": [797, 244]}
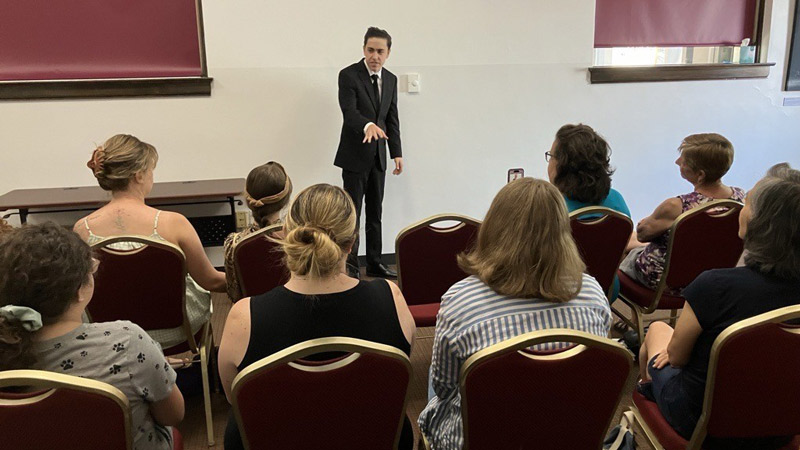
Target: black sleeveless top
{"type": "Point", "coordinates": [281, 318]}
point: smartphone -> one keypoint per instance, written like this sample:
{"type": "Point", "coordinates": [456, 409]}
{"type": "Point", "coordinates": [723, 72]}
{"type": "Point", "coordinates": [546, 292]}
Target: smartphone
{"type": "Point", "coordinates": [515, 174]}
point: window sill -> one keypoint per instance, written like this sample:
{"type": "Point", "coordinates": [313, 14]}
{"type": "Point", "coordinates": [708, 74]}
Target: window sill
{"type": "Point", "coordinates": [129, 87]}
{"type": "Point", "coordinates": [683, 72]}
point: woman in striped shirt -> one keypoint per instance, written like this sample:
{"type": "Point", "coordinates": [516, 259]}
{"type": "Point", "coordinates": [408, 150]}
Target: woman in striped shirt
{"type": "Point", "coordinates": [525, 275]}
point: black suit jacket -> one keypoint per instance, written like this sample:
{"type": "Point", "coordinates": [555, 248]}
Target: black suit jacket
{"type": "Point", "coordinates": [356, 99]}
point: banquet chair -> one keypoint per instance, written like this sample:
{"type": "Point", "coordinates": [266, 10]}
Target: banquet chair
{"type": "Point", "coordinates": [751, 387]}
{"type": "Point", "coordinates": [258, 263]}
{"type": "Point", "coordinates": [426, 262]}
{"type": "Point", "coordinates": [147, 286]}
{"type": "Point", "coordinates": [356, 399]}
{"type": "Point", "coordinates": [64, 412]}
{"type": "Point", "coordinates": [601, 235]}
{"type": "Point", "coordinates": [703, 238]}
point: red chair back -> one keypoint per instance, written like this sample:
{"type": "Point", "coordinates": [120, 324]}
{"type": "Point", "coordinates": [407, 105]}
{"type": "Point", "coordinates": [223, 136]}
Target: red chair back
{"type": "Point", "coordinates": [752, 387]}
{"type": "Point", "coordinates": [512, 398]}
{"type": "Point", "coordinates": [259, 263]}
{"type": "Point", "coordinates": [601, 235]}
{"type": "Point", "coordinates": [62, 412]}
{"type": "Point", "coordinates": [426, 256]}
{"type": "Point", "coordinates": [135, 284]}
{"type": "Point", "coordinates": [358, 400]}
{"type": "Point", "coordinates": [703, 238]}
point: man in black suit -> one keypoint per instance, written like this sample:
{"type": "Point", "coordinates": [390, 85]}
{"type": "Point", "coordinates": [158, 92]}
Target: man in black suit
{"type": "Point", "coordinates": [368, 99]}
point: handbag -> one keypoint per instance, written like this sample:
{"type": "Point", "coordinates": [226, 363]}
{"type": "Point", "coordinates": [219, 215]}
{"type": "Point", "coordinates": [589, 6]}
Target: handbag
{"type": "Point", "coordinates": [621, 437]}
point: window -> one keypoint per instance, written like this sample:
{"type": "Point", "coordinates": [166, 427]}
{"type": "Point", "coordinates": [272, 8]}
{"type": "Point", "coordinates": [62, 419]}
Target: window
{"type": "Point", "coordinates": [102, 48]}
{"type": "Point", "coordinates": [656, 40]}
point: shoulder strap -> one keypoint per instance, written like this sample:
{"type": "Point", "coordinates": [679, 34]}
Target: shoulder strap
{"type": "Point", "coordinates": [155, 222]}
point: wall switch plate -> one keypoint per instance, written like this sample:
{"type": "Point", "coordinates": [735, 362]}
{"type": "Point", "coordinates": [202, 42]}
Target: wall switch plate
{"type": "Point", "coordinates": [241, 219]}
{"type": "Point", "coordinates": [413, 82]}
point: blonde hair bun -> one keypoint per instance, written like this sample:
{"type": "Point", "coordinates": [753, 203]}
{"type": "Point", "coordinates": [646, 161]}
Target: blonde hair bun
{"type": "Point", "coordinates": [319, 230]}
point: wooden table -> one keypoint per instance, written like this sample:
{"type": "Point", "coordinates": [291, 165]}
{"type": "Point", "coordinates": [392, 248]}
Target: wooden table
{"type": "Point", "coordinates": [87, 198]}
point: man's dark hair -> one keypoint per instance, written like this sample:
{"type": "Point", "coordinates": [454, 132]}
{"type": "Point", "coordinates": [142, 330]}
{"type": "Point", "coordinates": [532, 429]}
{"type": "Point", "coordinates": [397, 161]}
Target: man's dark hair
{"type": "Point", "coordinates": [375, 32]}
{"type": "Point", "coordinates": [582, 164]}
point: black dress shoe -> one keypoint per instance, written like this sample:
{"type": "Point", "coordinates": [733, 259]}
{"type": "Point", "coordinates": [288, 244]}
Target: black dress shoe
{"type": "Point", "coordinates": [381, 271]}
{"type": "Point", "coordinates": [353, 272]}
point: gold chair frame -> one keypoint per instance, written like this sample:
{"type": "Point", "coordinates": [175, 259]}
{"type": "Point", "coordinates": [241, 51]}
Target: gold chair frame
{"type": "Point", "coordinates": [311, 347]}
{"type": "Point", "coordinates": [780, 315]}
{"type": "Point", "coordinates": [589, 210]}
{"type": "Point", "coordinates": [637, 312]}
{"type": "Point", "coordinates": [53, 381]}
{"type": "Point", "coordinates": [207, 338]}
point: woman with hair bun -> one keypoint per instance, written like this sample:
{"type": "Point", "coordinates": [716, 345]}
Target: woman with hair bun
{"type": "Point", "coordinates": [319, 300]}
{"type": "Point", "coordinates": [46, 281]}
{"type": "Point", "coordinates": [267, 190]}
{"type": "Point", "coordinates": [124, 165]}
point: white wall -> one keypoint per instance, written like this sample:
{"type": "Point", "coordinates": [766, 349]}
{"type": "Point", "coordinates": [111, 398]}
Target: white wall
{"type": "Point", "coordinates": [498, 79]}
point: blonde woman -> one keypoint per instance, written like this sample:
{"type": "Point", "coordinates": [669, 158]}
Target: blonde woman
{"type": "Point", "coordinates": [268, 189]}
{"type": "Point", "coordinates": [124, 165]}
{"type": "Point", "coordinates": [320, 299]}
{"type": "Point", "coordinates": [525, 270]}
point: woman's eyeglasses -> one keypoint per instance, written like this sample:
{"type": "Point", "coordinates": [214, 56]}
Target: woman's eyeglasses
{"type": "Point", "coordinates": [547, 156]}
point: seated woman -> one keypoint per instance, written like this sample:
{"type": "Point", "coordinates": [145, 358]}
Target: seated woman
{"type": "Point", "coordinates": [703, 160]}
{"type": "Point", "coordinates": [677, 360]}
{"type": "Point", "coordinates": [124, 165]}
{"type": "Point", "coordinates": [267, 191]}
{"type": "Point", "coordinates": [525, 270]}
{"type": "Point", "coordinates": [319, 300]}
{"type": "Point", "coordinates": [578, 165]}
{"type": "Point", "coordinates": [46, 282]}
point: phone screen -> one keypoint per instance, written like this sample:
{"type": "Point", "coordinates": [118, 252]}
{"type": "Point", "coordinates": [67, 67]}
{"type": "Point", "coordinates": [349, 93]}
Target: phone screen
{"type": "Point", "coordinates": [515, 174]}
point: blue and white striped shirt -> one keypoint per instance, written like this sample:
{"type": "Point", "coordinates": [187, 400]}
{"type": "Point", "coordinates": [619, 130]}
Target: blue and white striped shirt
{"type": "Point", "coordinates": [472, 317]}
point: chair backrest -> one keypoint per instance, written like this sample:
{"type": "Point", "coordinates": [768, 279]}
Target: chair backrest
{"type": "Point", "coordinates": [752, 388]}
{"type": "Point", "coordinates": [703, 238]}
{"type": "Point", "coordinates": [601, 235]}
{"type": "Point", "coordinates": [426, 256]}
{"type": "Point", "coordinates": [511, 398]}
{"type": "Point", "coordinates": [258, 263]}
{"type": "Point", "coordinates": [63, 412]}
{"type": "Point", "coordinates": [146, 285]}
{"type": "Point", "coordinates": [360, 399]}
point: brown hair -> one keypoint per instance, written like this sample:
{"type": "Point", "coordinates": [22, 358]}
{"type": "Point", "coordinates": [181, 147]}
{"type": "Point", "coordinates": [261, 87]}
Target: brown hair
{"type": "Point", "coordinates": [319, 229]}
{"type": "Point", "coordinates": [119, 159]}
{"type": "Point", "coordinates": [709, 152]}
{"type": "Point", "coordinates": [525, 246]}
{"type": "Point", "coordinates": [41, 267]}
{"type": "Point", "coordinates": [375, 32]}
{"type": "Point", "coordinates": [772, 239]}
{"type": "Point", "coordinates": [582, 164]}
{"type": "Point", "coordinates": [268, 189]}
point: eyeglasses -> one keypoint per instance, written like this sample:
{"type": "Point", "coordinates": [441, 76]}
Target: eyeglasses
{"type": "Point", "coordinates": [547, 156]}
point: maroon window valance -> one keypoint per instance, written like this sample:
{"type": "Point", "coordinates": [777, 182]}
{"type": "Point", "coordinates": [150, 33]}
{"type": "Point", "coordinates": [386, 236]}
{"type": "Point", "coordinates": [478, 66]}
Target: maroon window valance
{"type": "Point", "coordinates": [99, 39]}
{"type": "Point", "coordinates": [665, 23]}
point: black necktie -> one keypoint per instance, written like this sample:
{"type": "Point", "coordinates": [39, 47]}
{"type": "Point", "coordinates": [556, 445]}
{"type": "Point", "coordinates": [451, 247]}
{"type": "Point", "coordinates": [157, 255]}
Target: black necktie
{"type": "Point", "coordinates": [377, 93]}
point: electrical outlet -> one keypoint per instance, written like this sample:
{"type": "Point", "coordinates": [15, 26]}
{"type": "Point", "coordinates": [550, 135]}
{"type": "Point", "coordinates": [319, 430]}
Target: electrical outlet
{"type": "Point", "coordinates": [241, 219]}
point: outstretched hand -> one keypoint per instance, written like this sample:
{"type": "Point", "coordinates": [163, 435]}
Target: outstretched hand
{"type": "Point", "coordinates": [398, 166]}
{"type": "Point", "coordinates": [374, 133]}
